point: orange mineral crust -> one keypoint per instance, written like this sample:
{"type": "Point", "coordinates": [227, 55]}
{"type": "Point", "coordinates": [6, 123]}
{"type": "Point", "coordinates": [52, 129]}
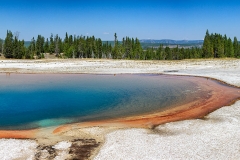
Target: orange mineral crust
{"type": "Point", "coordinates": [22, 134]}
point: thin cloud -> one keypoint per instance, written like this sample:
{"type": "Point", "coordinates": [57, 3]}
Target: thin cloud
{"type": "Point", "coordinates": [105, 33]}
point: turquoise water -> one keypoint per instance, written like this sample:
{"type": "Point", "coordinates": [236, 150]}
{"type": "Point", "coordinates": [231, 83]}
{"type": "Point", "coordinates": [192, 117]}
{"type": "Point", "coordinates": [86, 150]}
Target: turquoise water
{"type": "Point", "coordinates": [41, 100]}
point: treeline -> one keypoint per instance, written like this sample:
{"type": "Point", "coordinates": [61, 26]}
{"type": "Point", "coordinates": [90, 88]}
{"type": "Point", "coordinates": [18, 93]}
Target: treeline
{"type": "Point", "coordinates": [218, 46]}
{"type": "Point", "coordinates": [214, 46]}
{"type": "Point", "coordinates": [71, 47]}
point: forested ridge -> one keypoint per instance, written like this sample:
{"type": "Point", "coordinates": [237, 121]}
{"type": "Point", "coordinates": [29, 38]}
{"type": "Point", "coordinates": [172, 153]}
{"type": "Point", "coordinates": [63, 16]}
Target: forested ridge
{"type": "Point", "coordinates": [214, 46]}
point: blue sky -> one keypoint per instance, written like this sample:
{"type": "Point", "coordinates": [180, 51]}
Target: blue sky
{"type": "Point", "coordinates": [154, 19]}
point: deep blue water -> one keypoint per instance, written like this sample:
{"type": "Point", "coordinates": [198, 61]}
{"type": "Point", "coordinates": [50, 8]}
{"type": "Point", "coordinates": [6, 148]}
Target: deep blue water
{"type": "Point", "coordinates": [41, 100]}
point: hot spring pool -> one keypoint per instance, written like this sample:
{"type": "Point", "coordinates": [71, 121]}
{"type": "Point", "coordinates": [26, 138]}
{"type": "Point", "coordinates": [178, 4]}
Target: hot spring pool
{"type": "Point", "coordinates": [40, 100]}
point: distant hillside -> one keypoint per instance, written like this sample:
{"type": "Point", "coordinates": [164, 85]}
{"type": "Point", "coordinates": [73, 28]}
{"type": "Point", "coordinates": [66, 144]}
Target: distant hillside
{"type": "Point", "coordinates": [171, 43]}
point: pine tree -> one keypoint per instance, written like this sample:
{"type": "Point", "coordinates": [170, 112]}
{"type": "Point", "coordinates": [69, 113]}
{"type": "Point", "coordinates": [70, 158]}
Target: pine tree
{"type": "Point", "coordinates": [21, 49]}
{"type": "Point", "coordinates": [93, 48]}
{"type": "Point", "coordinates": [219, 46]}
{"type": "Point", "coordinates": [116, 47]}
{"type": "Point", "coordinates": [30, 51]}
{"type": "Point", "coordinates": [225, 41]}
{"type": "Point", "coordinates": [181, 53]}
{"type": "Point", "coordinates": [60, 45]}
{"type": "Point", "coordinates": [230, 48]}
{"type": "Point", "coordinates": [137, 49]}
{"type": "Point", "coordinates": [236, 47]}
{"type": "Point", "coordinates": [66, 43]}
{"type": "Point", "coordinates": [81, 47]}
{"type": "Point", "coordinates": [168, 53]}
{"type": "Point", "coordinates": [99, 48]}
{"type": "Point", "coordinates": [15, 48]}
{"type": "Point", "coordinates": [56, 44]}
{"type": "Point", "coordinates": [187, 53]}
{"type": "Point", "coordinates": [1, 46]}
{"type": "Point", "coordinates": [27, 54]}
{"type": "Point", "coordinates": [18, 48]}
{"type": "Point", "coordinates": [8, 45]}
{"type": "Point", "coordinates": [39, 46]}
{"type": "Point", "coordinates": [109, 51]}
{"type": "Point", "coordinates": [52, 45]}
{"type": "Point", "coordinates": [175, 53]}
{"type": "Point", "coordinates": [46, 46]}
{"type": "Point", "coordinates": [207, 46]}
{"type": "Point", "coordinates": [148, 54]}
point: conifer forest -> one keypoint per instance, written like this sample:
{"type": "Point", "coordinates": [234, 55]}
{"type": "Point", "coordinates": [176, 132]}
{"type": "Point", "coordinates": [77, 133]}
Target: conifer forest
{"type": "Point", "coordinates": [214, 46]}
